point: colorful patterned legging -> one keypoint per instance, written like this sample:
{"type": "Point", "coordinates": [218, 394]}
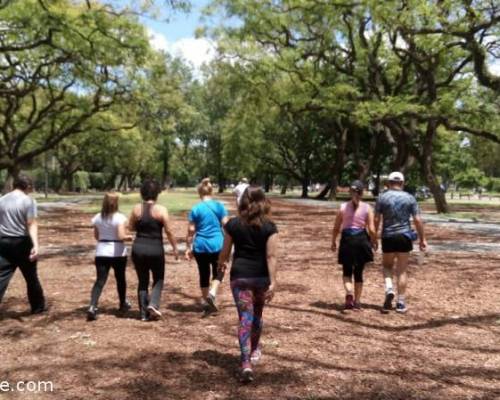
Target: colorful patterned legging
{"type": "Point", "coordinates": [249, 296]}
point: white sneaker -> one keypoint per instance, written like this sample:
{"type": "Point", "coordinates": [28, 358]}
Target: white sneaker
{"type": "Point", "coordinates": [154, 313]}
{"type": "Point", "coordinates": [256, 356]}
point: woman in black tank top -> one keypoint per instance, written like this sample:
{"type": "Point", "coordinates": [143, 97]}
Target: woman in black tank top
{"type": "Point", "coordinates": [149, 220]}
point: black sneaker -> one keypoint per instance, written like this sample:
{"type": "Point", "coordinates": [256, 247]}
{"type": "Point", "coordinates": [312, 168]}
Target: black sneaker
{"type": "Point", "coordinates": [388, 303]}
{"type": "Point", "coordinates": [92, 313]}
{"type": "Point", "coordinates": [125, 306]}
{"type": "Point", "coordinates": [40, 310]}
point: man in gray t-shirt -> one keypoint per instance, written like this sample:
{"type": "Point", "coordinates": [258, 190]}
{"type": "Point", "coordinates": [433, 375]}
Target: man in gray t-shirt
{"type": "Point", "coordinates": [19, 241]}
{"type": "Point", "coordinates": [395, 208]}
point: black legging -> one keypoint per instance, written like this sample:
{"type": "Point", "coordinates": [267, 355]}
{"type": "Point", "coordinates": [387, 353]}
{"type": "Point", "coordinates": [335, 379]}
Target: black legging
{"type": "Point", "coordinates": [15, 252]}
{"type": "Point", "coordinates": [143, 264]}
{"type": "Point", "coordinates": [349, 269]}
{"type": "Point", "coordinates": [103, 265]}
{"type": "Point", "coordinates": [205, 261]}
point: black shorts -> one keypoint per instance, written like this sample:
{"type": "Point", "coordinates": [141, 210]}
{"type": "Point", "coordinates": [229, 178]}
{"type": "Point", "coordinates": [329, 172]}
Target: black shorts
{"type": "Point", "coordinates": [397, 244]}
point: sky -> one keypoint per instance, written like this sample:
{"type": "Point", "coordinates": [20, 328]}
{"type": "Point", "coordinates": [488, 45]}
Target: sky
{"type": "Point", "coordinates": [177, 35]}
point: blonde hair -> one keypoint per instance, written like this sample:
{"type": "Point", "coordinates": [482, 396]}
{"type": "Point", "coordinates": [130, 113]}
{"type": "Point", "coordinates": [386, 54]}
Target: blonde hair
{"type": "Point", "coordinates": [109, 204]}
{"type": "Point", "coordinates": [205, 187]}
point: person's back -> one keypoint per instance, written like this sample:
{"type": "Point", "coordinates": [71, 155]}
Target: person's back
{"type": "Point", "coordinates": [207, 216]}
{"type": "Point", "coordinates": [16, 208]}
{"type": "Point", "coordinates": [250, 253]}
{"type": "Point", "coordinates": [396, 208]}
{"type": "Point", "coordinates": [354, 218]}
{"type": "Point", "coordinates": [147, 226]}
{"type": "Point", "coordinates": [109, 244]}
{"type": "Point", "coordinates": [19, 241]}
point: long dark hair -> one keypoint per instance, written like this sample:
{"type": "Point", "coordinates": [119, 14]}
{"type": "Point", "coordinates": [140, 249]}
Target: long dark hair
{"type": "Point", "coordinates": [254, 208]}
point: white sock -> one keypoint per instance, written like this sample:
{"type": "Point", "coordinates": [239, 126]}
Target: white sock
{"type": "Point", "coordinates": [401, 298]}
{"type": "Point", "coordinates": [212, 292]}
{"type": "Point", "coordinates": [388, 285]}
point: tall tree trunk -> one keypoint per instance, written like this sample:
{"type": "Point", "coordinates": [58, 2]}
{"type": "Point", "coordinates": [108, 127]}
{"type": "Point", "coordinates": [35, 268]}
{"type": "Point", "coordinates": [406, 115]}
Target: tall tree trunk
{"type": "Point", "coordinates": [427, 169]}
{"type": "Point", "coordinates": [166, 170]}
{"type": "Point", "coordinates": [222, 184]}
{"type": "Point", "coordinates": [338, 166]}
{"type": "Point", "coordinates": [333, 187]}
{"type": "Point", "coordinates": [13, 173]}
{"type": "Point", "coordinates": [121, 184]}
{"type": "Point", "coordinates": [284, 187]}
{"type": "Point", "coordinates": [321, 195]}
{"type": "Point", "coordinates": [305, 188]}
{"type": "Point", "coordinates": [110, 182]}
{"type": "Point", "coordinates": [268, 183]}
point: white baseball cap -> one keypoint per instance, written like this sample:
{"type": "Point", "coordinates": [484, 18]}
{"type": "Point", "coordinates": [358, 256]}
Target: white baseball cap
{"type": "Point", "coordinates": [396, 177]}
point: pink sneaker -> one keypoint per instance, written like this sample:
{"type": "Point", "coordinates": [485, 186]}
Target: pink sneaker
{"type": "Point", "coordinates": [349, 302]}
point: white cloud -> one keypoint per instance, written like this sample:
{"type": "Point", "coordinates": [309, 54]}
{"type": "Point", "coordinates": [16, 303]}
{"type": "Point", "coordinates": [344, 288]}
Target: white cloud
{"type": "Point", "coordinates": [195, 51]}
{"type": "Point", "coordinates": [157, 40]}
{"type": "Point", "coordinates": [494, 67]}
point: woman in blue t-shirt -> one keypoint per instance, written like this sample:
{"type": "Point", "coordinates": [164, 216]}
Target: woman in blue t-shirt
{"type": "Point", "coordinates": [206, 220]}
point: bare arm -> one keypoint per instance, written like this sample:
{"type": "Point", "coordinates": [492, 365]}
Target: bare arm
{"type": "Point", "coordinates": [189, 240]}
{"type": "Point", "coordinates": [336, 230]}
{"type": "Point", "coordinates": [372, 231]}
{"type": "Point", "coordinates": [133, 218]}
{"type": "Point", "coordinates": [33, 232]}
{"type": "Point", "coordinates": [419, 224]}
{"type": "Point", "coordinates": [272, 261]}
{"type": "Point", "coordinates": [96, 233]}
{"type": "Point", "coordinates": [225, 252]}
{"type": "Point", "coordinates": [122, 232]}
{"type": "Point", "coordinates": [169, 233]}
{"type": "Point", "coordinates": [378, 219]}
{"type": "Point", "coordinates": [224, 221]}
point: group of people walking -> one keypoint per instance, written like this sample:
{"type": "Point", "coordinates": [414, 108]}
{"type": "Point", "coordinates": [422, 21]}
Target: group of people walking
{"type": "Point", "coordinates": [250, 239]}
{"type": "Point", "coordinates": [359, 224]}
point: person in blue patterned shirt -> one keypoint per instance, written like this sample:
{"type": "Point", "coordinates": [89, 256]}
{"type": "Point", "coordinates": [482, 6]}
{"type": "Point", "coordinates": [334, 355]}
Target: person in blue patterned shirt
{"type": "Point", "coordinates": [395, 208]}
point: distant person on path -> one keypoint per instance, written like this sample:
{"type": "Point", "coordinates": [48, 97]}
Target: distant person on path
{"type": "Point", "coordinates": [240, 189]}
{"type": "Point", "coordinates": [148, 220]}
{"type": "Point", "coordinates": [110, 232]}
{"type": "Point", "coordinates": [395, 208]}
{"type": "Point", "coordinates": [206, 220]}
{"type": "Point", "coordinates": [19, 241]}
{"type": "Point", "coordinates": [253, 271]}
{"type": "Point", "coordinates": [356, 222]}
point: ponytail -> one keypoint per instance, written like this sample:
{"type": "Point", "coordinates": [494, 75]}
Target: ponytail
{"type": "Point", "coordinates": [254, 207]}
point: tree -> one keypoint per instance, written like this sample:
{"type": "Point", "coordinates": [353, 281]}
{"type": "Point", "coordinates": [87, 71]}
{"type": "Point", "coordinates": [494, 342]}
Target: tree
{"type": "Point", "coordinates": [72, 63]}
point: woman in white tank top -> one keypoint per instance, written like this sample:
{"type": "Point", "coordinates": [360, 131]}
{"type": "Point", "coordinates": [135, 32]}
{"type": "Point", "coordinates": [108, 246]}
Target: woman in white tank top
{"type": "Point", "coordinates": [109, 231]}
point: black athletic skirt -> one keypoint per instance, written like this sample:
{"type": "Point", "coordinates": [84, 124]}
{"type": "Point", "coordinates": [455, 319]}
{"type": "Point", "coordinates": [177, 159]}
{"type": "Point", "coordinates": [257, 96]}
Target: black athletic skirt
{"type": "Point", "coordinates": [355, 249]}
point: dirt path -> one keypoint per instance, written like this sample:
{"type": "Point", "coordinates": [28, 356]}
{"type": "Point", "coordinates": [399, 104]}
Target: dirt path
{"type": "Point", "coordinates": [446, 347]}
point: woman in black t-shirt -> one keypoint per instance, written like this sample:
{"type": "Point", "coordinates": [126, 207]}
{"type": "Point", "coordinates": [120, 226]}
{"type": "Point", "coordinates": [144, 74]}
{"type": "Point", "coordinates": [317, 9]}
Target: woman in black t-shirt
{"type": "Point", "coordinates": [253, 271]}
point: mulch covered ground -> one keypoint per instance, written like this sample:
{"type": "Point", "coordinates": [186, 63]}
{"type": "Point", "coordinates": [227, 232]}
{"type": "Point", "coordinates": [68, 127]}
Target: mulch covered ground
{"type": "Point", "coordinates": [446, 347]}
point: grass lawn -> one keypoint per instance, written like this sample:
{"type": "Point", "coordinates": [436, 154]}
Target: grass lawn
{"type": "Point", "coordinates": [175, 201]}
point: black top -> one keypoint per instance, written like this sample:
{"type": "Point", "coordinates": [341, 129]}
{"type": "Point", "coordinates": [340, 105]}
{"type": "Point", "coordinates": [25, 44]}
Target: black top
{"type": "Point", "coordinates": [250, 254]}
{"type": "Point", "coordinates": [148, 227]}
